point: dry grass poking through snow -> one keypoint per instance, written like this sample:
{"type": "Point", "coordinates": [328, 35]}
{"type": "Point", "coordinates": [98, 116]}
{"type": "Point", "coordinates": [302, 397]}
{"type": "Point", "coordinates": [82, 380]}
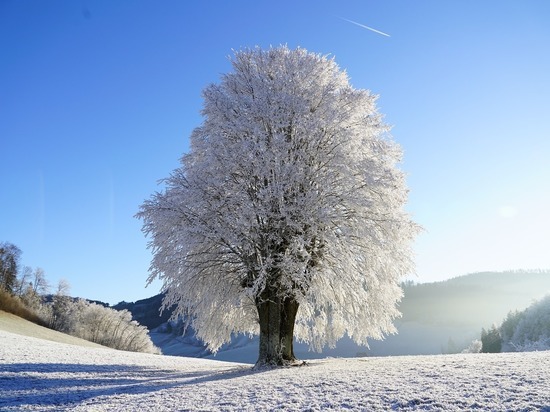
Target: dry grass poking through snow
{"type": "Point", "coordinates": [42, 375]}
{"type": "Point", "coordinates": [13, 304]}
{"type": "Point", "coordinates": [12, 323]}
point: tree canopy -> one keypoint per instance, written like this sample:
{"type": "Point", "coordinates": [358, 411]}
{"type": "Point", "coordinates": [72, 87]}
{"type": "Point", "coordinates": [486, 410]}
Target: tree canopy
{"type": "Point", "coordinates": [286, 217]}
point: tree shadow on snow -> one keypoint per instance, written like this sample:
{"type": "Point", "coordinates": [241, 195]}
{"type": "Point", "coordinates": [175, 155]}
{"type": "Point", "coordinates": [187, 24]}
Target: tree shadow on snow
{"type": "Point", "coordinates": [46, 384]}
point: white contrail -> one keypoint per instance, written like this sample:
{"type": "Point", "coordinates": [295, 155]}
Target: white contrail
{"type": "Point", "coordinates": [366, 27]}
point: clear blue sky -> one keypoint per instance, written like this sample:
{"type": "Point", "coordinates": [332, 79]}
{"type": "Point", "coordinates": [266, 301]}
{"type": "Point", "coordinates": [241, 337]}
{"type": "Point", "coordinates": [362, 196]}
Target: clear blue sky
{"type": "Point", "coordinates": [98, 99]}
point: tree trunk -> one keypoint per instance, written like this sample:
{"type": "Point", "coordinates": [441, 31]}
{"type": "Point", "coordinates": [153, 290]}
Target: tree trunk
{"type": "Point", "coordinates": [277, 316]}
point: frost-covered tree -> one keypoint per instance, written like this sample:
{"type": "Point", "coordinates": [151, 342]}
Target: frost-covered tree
{"type": "Point", "coordinates": [9, 266]}
{"type": "Point", "coordinates": [23, 280]}
{"type": "Point", "coordinates": [40, 284]}
{"type": "Point", "coordinates": [531, 330]}
{"type": "Point", "coordinates": [491, 340]}
{"type": "Point", "coordinates": [35, 290]}
{"type": "Point", "coordinates": [60, 308]}
{"type": "Point", "coordinates": [106, 326]}
{"type": "Point", "coordinates": [510, 324]}
{"type": "Point", "coordinates": [474, 347]}
{"type": "Point", "coordinates": [286, 218]}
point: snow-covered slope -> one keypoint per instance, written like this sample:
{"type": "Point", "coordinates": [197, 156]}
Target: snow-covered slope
{"type": "Point", "coordinates": [41, 375]}
{"type": "Point", "coordinates": [413, 339]}
{"type": "Point", "coordinates": [15, 324]}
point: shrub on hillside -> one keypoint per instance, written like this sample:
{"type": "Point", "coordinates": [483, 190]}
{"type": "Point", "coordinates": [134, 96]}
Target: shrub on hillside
{"type": "Point", "coordinates": [14, 305]}
{"type": "Point", "coordinates": [79, 318]}
{"type": "Point", "coordinates": [475, 347]}
{"type": "Point", "coordinates": [491, 341]}
{"type": "Point", "coordinates": [102, 325]}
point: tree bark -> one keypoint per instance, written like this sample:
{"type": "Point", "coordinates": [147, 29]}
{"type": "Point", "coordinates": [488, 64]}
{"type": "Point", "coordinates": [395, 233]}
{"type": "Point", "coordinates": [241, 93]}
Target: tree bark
{"type": "Point", "coordinates": [277, 316]}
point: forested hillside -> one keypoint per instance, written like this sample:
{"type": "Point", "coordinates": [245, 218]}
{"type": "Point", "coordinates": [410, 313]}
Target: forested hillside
{"type": "Point", "coordinates": [481, 298]}
{"type": "Point", "coordinates": [444, 317]}
{"type": "Point", "coordinates": [146, 311]}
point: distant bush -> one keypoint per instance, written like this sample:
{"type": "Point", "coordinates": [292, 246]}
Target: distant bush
{"type": "Point", "coordinates": [23, 292]}
{"type": "Point", "coordinates": [14, 305]}
{"type": "Point", "coordinates": [80, 318]}
{"type": "Point", "coordinates": [491, 341]}
{"type": "Point", "coordinates": [100, 324]}
{"type": "Point", "coordinates": [474, 347]}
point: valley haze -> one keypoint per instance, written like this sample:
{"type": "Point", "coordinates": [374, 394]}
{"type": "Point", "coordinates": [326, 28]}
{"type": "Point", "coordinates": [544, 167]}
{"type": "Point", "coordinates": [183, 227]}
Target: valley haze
{"type": "Point", "coordinates": [439, 317]}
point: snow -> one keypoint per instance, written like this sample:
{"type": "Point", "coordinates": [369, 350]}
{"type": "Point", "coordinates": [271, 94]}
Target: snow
{"type": "Point", "coordinates": [12, 323]}
{"type": "Point", "coordinates": [42, 375]}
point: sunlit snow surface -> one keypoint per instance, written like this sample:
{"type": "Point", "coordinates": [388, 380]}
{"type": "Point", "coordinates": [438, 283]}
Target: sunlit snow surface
{"type": "Point", "coordinates": [41, 375]}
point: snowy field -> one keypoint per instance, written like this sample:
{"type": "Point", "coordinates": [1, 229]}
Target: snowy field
{"type": "Point", "coordinates": [42, 375]}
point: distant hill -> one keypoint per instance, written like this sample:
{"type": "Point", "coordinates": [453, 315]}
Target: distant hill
{"type": "Point", "coordinates": [482, 298]}
{"type": "Point", "coordinates": [439, 317]}
{"type": "Point", "coordinates": [444, 317]}
{"type": "Point", "coordinates": [146, 311]}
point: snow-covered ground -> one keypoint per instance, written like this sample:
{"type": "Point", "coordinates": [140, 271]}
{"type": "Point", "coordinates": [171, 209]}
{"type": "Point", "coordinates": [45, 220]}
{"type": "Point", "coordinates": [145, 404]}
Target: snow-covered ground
{"type": "Point", "coordinates": [42, 375]}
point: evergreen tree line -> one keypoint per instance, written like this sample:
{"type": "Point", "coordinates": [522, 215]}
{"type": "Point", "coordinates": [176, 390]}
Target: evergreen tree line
{"type": "Point", "coordinates": [25, 292]}
{"type": "Point", "coordinates": [521, 331]}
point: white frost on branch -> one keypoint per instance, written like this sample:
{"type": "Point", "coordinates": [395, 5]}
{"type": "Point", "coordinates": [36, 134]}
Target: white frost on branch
{"type": "Point", "coordinates": [291, 181]}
